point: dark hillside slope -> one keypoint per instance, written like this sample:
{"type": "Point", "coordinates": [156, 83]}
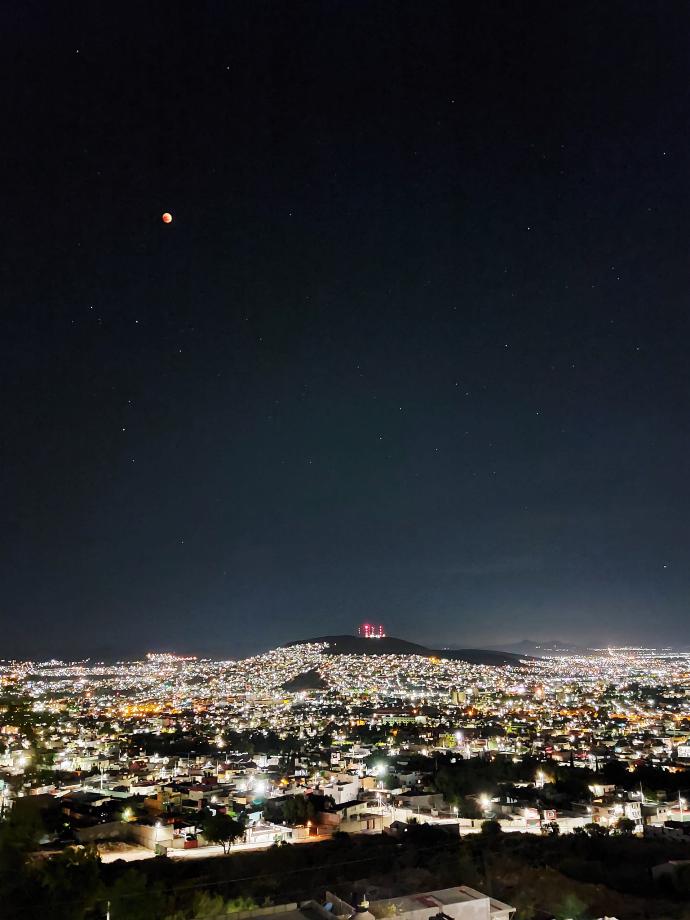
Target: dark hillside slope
{"type": "Point", "coordinates": [389, 645]}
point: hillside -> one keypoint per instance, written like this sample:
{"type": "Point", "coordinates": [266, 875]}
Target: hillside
{"type": "Point", "coordinates": [389, 645]}
{"type": "Point", "coordinates": [307, 680]}
{"type": "Point", "coordinates": [480, 656]}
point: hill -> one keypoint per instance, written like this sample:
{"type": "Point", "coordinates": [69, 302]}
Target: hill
{"type": "Point", "coordinates": [540, 648]}
{"type": "Point", "coordinates": [390, 645]}
{"type": "Point", "coordinates": [480, 656]}
{"type": "Point", "coordinates": [307, 680]}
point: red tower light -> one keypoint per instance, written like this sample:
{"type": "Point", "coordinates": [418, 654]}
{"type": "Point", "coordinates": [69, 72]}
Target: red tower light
{"type": "Point", "coordinates": [371, 631]}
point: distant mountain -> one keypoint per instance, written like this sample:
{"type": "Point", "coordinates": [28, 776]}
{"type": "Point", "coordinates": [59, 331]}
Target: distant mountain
{"type": "Point", "coordinates": [535, 648]}
{"type": "Point", "coordinates": [389, 645]}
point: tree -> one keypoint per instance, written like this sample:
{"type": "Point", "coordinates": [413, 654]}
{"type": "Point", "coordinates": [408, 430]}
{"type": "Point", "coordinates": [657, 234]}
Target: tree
{"type": "Point", "coordinates": [466, 868]}
{"type": "Point", "coordinates": [222, 829]}
{"type": "Point", "coordinates": [208, 904]}
{"type": "Point", "coordinates": [19, 835]}
{"type": "Point", "coordinates": [571, 907]}
{"type": "Point", "coordinates": [68, 886]}
{"type": "Point", "coordinates": [298, 809]}
{"type": "Point", "coordinates": [469, 807]}
{"type": "Point", "coordinates": [616, 772]}
{"type": "Point", "coordinates": [681, 879]}
{"type": "Point", "coordinates": [551, 828]}
{"type": "Point", "coordinates": [132, 897]}
{"type": "Point", "coordinates": [625, 826]}
{"type": "Point", "coordinates": [491, 829]}
{"type": "Point", "coordinates": [595, 830]}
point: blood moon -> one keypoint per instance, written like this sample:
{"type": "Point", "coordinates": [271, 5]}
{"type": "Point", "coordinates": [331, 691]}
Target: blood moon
{"type": "Point", "coordinates": [166, 217]}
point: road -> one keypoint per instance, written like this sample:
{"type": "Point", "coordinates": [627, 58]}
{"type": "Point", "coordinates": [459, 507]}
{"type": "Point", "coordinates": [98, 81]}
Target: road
{"type": "Point", "coordinates": [130, 853]}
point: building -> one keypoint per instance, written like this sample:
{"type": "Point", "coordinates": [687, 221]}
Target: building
{"type": "Point", "coordinates": [357, 818]}
{"type": "Point", "coordinates": [342, 788]}
{"type": "Point", "coordinates": [461, 903]}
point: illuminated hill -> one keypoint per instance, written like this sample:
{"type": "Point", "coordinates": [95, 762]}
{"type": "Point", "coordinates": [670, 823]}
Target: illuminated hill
{"type": "Point", "coordinates": [389, 645]}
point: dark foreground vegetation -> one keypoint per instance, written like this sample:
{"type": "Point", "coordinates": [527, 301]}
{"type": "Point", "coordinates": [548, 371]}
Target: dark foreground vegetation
{"type": "Point", "coordinates": [578, 876]}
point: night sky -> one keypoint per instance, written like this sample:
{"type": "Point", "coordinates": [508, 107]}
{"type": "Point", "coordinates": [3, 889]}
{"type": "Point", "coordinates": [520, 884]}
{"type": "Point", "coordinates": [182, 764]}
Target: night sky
{"type": "Point", "coordinates": [413, 349]}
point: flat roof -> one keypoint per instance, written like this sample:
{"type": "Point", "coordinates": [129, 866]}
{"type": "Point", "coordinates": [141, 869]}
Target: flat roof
{"type": "Point", "coordinates": [440, 898]}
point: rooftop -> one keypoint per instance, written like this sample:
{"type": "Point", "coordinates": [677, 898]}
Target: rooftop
{"type": "Point", "coordinates": [437, 901]}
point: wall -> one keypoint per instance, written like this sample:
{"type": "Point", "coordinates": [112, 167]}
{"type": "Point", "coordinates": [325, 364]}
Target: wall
{"type": "Point", "coordinates": [112, 830]}
{"type": "Point", "coordinates": [148, 836]}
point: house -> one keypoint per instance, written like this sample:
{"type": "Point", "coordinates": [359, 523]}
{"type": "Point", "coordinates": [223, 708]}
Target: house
{"type": "Point", "coordinates": [654, 812]}
{"type": "Point", "coordinates": [357, 818]}
{"type": "Point", "coordinates": [342, 788]}
{"type": "Point", "coordinates": [421, 800]}
{"type": "Point", "coordinates": [676, 830]}
{"type": "Point", "coordinates": [461, 903]}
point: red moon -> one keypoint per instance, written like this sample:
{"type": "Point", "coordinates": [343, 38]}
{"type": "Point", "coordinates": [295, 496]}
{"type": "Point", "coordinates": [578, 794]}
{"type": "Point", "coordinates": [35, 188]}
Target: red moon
{"type": "Point", "coordinates": [167, 218]}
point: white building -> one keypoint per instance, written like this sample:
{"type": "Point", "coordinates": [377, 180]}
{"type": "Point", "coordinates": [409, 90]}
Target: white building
{"type": "Point", "coordinates": [342, 788]}
{"type": "Point", "coordinates": [461, 903]}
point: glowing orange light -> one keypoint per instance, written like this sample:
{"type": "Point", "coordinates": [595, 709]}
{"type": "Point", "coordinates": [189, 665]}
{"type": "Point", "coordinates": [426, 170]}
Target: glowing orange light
{"type": "Point", "coordinates": [167, 217]}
